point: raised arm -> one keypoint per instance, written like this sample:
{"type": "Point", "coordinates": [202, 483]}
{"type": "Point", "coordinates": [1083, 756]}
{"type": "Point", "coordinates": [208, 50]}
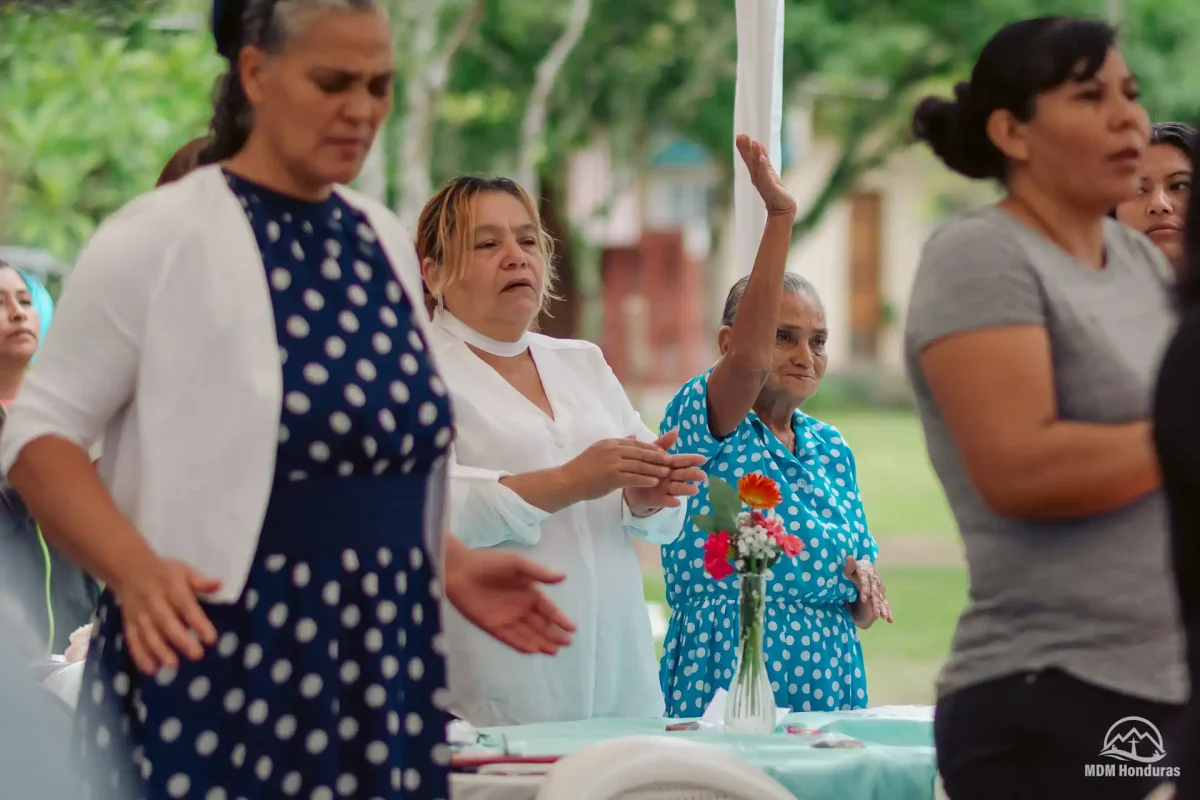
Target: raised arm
{"type": "Point", "coordinates": [746, 362]}
{"type": "Point", "coordinates": [985, 354]}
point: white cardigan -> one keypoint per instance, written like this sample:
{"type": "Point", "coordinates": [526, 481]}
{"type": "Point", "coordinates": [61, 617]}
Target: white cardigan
{"type": "Point", "coordinates": [164, 346]}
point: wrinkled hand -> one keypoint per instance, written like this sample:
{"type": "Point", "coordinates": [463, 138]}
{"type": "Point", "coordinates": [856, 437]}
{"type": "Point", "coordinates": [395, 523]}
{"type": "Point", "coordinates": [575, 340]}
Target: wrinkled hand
{"type": "Point", "coordinates": [682, 481]}
{"type": "Point", "coordinates": [163, 618]}
{"type": "Point", "coordinates": [775, 195]}
{"type": "Point", "coordinates": [612, 464]}
{"type": "Point", "coordinates": [872, 601]}
{"type": "Point", "coordinates": [498, 592]}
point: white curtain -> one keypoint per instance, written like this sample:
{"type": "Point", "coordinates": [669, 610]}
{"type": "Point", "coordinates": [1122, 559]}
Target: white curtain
{"type": "Point", "coordinates": [757, 112]}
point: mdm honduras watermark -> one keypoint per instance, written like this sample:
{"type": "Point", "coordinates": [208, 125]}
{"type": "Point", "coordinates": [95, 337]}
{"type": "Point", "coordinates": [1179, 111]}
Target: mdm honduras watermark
{"type": "Point", "coordinates": [1133, 747]}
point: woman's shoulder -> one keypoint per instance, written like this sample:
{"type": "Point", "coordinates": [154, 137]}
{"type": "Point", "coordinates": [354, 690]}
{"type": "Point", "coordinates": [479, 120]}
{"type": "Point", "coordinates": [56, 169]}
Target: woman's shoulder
{"type": "Point", "coordinates": [575, 353]}
{"type": "Point", "coordinates": [693, 394]}
{"type": "Point", "coordinates": [149, 226]}
{"type": "Point", "coordinates": [980, 232]}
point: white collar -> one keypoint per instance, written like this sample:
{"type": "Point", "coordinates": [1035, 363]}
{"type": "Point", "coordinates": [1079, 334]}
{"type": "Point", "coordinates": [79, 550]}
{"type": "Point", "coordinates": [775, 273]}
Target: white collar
{"type": "Point", "coordinates": [460, 330]}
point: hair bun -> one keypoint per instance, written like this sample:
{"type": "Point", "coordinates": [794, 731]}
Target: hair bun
{"type": "Point", "coordinates": [956, 135]}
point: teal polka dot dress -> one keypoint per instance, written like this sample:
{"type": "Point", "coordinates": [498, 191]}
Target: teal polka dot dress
{"type": "Point", "coordinates": [814, 658]}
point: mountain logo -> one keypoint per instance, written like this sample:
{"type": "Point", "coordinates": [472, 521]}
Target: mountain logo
{"type": "Point", "coordinates": [1134, 739]}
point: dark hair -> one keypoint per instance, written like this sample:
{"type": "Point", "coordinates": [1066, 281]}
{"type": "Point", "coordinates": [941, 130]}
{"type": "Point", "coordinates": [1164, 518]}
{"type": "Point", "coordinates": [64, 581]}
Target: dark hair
{"type": "Point", "coordinates": [1180, 135]}
{"type": "Point", "coordinates": [793, 283]}
{"type": "Point", "coordinates": [186, 159]}
{"type": "Point", "coordinates": [1020, 62]}
{"type": "Point", "coordinates": [265, 24]}
{"type": "Point", "coordinates": [1189, 279]}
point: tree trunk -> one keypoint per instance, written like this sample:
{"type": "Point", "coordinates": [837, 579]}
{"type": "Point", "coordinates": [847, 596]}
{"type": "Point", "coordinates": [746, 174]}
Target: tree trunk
{"type": "Point", "coordinates": [372, 180]}
{"type": "Point", "coordinates": [533, 126]}
{"type": "Point", "coordinates": [423, 94]}
{"type": "Point", "coordinates": [562, 319]}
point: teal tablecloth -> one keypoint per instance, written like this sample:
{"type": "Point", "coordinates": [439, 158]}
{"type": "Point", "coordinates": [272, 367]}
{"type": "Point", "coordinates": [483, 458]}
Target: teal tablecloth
{"type": "Point", "coordinates": [897, 762]}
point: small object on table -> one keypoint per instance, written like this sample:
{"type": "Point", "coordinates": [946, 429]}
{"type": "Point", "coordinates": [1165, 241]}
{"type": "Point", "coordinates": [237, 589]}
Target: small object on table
{"type": "Point", "coordinates": [684, 726]}
{"type": "Point", "coordinates": [824, 740]}
{"type": "Point", "coordinates": [839, 744]}
{"type": "Point", "coordinates": [473, 763]}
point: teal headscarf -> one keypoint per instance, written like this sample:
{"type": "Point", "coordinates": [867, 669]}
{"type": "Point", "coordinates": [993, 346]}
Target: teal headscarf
{"type": "Point", "coordinates": [42, 302]}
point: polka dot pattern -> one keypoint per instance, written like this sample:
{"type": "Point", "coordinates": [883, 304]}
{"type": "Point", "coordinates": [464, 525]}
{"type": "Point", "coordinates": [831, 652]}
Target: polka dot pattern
{"type": "Point", "coordinates": [814, 657]}
{"type": "Point", "coordinates": [330, 648]}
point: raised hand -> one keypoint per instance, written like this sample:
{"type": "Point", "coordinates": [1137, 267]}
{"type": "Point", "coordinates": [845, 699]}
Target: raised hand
{"type": "Point", "coordinates": [498, 592]}
{"type": "Point", "coordinates": [682, 481]}
{"type": "Point", "coordinates": [872, 601]}
{"type": "Point", "coordinates": [775, 195]}
{"type": "Point", "coordinates": [162, 614]}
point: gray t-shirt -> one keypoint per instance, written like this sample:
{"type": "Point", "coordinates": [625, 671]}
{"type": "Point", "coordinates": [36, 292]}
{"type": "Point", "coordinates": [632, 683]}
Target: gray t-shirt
{"type": "Point", "coordinates": [1094, 595]}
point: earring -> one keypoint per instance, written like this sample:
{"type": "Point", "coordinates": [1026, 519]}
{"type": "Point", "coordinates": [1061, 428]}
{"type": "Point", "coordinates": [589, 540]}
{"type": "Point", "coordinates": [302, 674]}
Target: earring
{"type": "Point", "coordinates": [441, 304]}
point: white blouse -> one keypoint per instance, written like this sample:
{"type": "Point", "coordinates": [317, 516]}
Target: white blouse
{"type": "Point", "coordinates": [610, 669]}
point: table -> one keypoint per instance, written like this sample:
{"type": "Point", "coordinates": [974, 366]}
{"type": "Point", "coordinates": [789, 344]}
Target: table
{"type": "Point", "coordinates": [897, 762]}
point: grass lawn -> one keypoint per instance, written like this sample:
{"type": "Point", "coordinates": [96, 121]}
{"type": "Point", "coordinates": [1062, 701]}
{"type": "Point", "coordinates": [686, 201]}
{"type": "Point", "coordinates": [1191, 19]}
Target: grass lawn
{"type": "Point", "coordinates": [902, 659]}
{"type": "Point", "coordinates": [900, 492]}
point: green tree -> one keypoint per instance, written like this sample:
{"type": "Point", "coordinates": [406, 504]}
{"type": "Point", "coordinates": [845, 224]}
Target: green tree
{"type": "Point", "coordinates": [90, 117]}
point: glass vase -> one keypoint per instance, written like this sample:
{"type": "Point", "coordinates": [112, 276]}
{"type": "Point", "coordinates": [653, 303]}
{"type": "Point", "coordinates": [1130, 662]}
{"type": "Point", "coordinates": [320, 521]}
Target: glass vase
{"type": "Point", "coordinates": [750, 706]}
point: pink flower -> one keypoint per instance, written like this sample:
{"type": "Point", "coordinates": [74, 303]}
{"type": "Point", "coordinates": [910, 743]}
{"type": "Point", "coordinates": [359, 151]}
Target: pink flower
{"type": "Point", "coordinates": [773, 525]}
{"type": "Point", "coordinates": [790, 545]}
{"type": "Point", "coordinates": [716, 555]}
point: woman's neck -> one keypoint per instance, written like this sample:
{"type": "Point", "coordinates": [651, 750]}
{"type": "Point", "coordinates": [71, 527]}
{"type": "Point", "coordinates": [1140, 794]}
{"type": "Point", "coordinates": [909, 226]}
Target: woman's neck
{"type": "Point", "coordinates": [499, 329]}
{"type": "Point", "coordinates": [11, 376]}
{"type": "Point", "coordinates": [776, 413]}
{"type": "Point", "coordinates": [260, 164]}
{"type": "Point", "coordinates": [1078, 231]}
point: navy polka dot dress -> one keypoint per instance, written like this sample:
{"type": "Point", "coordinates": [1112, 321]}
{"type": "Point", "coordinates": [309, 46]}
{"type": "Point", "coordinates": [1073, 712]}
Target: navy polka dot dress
{"type": "Point", "coordinates": [325, 681]}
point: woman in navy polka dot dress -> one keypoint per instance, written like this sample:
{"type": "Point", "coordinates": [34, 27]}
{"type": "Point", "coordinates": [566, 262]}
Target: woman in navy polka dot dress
{"type": "Point", "coordinates": [335, 627]}
{"type": "Point", "coordinates": [319, 675]}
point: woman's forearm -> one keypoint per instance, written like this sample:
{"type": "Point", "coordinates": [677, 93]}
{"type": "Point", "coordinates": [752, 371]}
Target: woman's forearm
{"type": "Point", "coordinates": [550, 490]}
{"type": "Point", "coordinates": [64, 493]}
{"type": "Point", "coordinates": [745, 363]}
{"type": "Point", "coordinates": [1074, 469]}
{"type": "Point", "coordinates": [754, 326]}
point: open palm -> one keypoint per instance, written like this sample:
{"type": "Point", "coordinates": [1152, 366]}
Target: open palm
{"type": "Point", "coordinates": [499, 593]}
{"type": "Point", "coordinates": [766, 180]}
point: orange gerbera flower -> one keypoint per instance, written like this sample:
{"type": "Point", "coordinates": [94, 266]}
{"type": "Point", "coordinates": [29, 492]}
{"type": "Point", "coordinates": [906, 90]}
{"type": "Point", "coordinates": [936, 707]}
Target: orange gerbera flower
{"type": "Point", "coordinates": [759, 491]}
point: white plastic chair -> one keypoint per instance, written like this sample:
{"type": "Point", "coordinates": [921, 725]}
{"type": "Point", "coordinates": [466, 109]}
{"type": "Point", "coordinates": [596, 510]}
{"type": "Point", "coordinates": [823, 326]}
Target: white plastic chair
{"type": "Point", "coordinates": [657, 768]}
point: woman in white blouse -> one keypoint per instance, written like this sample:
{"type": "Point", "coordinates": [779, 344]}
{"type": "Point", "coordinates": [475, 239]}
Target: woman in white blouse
{"type": "Point", "coordinates": [551, 460]}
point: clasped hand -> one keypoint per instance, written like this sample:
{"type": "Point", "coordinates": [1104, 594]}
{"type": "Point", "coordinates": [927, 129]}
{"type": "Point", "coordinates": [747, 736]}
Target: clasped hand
{"type": "Point", "coordinates": [650, 476]}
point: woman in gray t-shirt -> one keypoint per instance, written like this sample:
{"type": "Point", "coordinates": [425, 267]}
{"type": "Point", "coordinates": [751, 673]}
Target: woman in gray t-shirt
{"type": "Point", "coordinates": [1033, 335]}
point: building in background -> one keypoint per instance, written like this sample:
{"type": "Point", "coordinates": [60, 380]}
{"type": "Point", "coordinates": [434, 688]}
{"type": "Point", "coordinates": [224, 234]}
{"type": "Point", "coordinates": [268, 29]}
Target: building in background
{"type": "Point", "coordinates": [664, 272]}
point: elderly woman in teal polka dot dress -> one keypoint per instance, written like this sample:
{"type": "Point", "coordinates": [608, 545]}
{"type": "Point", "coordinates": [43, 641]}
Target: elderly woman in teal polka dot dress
{"type": "Point", "coordinates": [743, 416]}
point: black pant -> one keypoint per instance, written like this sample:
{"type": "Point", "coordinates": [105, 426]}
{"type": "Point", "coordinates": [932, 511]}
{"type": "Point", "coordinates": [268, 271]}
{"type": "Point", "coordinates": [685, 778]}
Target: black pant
{"type": "Point", "coordinates": [1039, 735]}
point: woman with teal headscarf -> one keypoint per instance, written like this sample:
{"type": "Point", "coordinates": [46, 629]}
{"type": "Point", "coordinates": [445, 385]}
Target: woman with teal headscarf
{"type": "Point", "coordinates": [53, 595]}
